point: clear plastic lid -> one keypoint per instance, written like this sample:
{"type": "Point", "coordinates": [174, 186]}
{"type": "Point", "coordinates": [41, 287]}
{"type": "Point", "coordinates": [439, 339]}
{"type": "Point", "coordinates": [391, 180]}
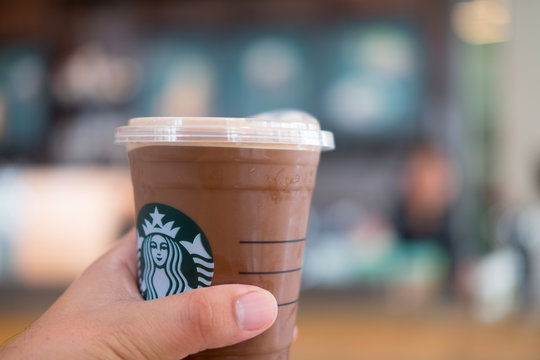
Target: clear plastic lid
{"type": "Point", "coordinates": [282, 127]}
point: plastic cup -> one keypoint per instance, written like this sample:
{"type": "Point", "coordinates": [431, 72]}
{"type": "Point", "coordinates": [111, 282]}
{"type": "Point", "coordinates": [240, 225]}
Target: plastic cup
{"type": "Point", "coordinates": [225, 201]}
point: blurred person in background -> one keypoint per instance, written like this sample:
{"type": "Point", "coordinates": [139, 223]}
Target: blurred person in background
{"type": "Point", "coordinates": [422, 214]}
{"type": "Point", "coordinates": [526, 238]}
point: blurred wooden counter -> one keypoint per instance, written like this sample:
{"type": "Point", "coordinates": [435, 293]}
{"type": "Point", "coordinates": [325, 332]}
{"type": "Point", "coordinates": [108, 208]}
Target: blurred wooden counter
{"type": "Point", "coordinates": [344, 329]}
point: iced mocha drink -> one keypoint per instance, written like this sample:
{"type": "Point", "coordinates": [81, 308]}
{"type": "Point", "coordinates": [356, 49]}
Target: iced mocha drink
{"type": "Point", "coordinates": [218, 208]}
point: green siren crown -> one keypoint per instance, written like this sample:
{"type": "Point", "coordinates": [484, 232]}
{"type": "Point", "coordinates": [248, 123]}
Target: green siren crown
{"type": "Point", "coordinates": [157, 226]}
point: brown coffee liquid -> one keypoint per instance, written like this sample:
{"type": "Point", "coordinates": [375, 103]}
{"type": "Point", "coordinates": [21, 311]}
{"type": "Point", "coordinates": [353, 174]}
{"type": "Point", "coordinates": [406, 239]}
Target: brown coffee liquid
{"type": "Point", "coordinates": [253, 205]}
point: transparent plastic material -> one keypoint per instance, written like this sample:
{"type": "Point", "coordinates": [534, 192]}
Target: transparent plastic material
{"type": "Point", "coordinates": [283, 127]}
{"type": "Point", "coordinates": [228, 199]}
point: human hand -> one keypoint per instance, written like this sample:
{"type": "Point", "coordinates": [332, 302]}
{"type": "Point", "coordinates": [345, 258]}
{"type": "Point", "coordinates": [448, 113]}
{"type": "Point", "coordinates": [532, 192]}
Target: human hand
{"type": "Point", "coordinates": [102, 315]}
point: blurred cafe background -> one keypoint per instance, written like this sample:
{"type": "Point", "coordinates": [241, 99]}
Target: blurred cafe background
{"type": "Point", "coordinates": [424, 238]}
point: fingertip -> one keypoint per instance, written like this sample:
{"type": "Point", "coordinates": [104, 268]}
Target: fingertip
{"type": "Point", "coordinates": [256, 310]}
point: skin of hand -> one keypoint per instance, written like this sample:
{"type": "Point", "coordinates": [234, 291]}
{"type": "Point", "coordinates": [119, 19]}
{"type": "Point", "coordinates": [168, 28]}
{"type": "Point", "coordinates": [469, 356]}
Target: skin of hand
{"type": "Point", "coordinates": [103, 316]}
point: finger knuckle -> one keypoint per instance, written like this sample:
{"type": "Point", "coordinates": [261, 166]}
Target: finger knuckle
{"type": "Point", "coordinates": [203, 316]}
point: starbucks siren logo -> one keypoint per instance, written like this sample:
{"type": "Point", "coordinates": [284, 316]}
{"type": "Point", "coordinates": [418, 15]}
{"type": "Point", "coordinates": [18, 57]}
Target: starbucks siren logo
{"type": "Point", "coordinates": [174, 254]}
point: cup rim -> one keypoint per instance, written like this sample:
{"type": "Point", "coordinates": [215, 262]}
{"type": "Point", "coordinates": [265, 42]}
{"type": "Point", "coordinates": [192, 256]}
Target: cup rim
{"type": "Point", "coordinates": [299, 130]}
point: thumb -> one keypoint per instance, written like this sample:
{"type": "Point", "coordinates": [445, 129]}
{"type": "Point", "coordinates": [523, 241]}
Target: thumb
{"type": "Point", "coordinates": [179, 325]}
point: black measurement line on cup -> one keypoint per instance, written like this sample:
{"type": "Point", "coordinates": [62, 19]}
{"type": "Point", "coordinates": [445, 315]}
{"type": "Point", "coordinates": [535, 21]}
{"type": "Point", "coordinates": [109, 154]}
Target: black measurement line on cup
{"type": "Point", "coordinates": [273, 242]}
{"type": "Point", "coordinates": [288, 303]}
{"type": "Point", "coordinates": [268, 272]}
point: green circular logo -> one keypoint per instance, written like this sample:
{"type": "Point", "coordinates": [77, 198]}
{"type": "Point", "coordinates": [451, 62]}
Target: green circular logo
{"type": "Point", "coordinates": [174, 254]}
